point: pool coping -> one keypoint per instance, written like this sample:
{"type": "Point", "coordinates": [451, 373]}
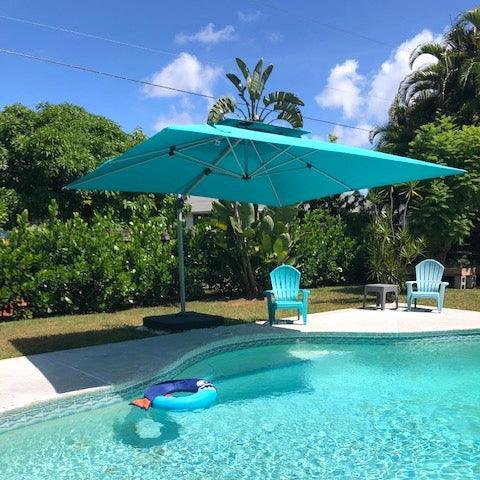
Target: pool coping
{"type": "Point", "coordinates": [97, 397]}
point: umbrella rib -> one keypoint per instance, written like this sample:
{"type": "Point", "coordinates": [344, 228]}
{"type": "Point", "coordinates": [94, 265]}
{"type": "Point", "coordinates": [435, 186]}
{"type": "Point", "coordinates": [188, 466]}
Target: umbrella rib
{"type": "Point", "coordinates": [316, 169]}
{"type": "Point", "coordinates": [223, 171]}
{"type": "Point", "coordinates": [156, 154]}
{"type": "Point", "coordinates": [264, 165]}
{"type": "Point", "coordinates": [235, 156]}
{"type": "Point", "coordinates": [277, 172]}
{"type": "Point", "coordinates": [208, 170]}
{"type": "Point", "coordinates": [286, 162]}
{"type": "Point", "coordinates": [186, 146]}
{"type": "Point", "coordinates": [266, 173]}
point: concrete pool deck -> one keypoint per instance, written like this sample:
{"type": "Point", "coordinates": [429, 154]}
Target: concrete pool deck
{"type": "Point", "coordinates": [48, 376]}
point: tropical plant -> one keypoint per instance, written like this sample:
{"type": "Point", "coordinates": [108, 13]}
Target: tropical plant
{"type": "Point", "coordinates": [391, 250]}
{"type": "Point", "coordinates": [252, 242]}
{"type": "Point", "coordinates": [403, 121]}
{"type": "Point", "coordinates": [447, 83]}
{"type": "Point", "coordinates": [257, 106]}
{"type": "Point", "coordinates": [391, 247]}
{"type": "Point", "coordinates": [453, 77]}
{"type": "Point", "coordinates": [449, 208]}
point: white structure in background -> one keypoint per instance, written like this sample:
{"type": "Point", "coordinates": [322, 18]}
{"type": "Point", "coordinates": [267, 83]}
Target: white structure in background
{"type": "Point", "coordinates": [201, 207]}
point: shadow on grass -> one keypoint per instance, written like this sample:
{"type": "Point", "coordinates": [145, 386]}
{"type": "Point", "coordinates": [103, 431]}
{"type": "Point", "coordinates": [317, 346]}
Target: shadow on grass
{"type": "Point", "coordinates": [66, 341]}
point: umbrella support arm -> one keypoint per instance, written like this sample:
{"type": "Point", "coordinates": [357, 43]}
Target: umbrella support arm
{"type": "Point", "coordinates": [181, 258]}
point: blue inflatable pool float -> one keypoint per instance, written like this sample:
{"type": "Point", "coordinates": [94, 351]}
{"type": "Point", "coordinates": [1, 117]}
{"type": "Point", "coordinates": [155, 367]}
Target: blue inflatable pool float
{"type": "Point", "coordinates": [160, 395]}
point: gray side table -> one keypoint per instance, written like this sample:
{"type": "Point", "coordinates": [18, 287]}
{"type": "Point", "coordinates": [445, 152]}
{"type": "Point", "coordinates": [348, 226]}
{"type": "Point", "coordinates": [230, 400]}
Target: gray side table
{"type": "Point", "coordinates": [380, 290]}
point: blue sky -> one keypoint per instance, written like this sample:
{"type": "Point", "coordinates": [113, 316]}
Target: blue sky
{"type": "Point", "coordinates": [343, 57]}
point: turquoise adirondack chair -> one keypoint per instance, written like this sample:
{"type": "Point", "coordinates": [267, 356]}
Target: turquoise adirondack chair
{"type": "Point", "coordinates": [428, 284]}
{"type": "Point", "coordinates": [285, 292]}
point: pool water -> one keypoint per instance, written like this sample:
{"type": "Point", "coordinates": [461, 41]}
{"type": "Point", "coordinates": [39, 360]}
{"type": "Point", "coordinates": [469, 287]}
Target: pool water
{"type": "Point", "coordinates": [299, 411]}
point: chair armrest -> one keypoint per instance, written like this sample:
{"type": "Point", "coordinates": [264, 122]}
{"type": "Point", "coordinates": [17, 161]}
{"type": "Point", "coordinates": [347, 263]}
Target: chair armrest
{"type": "Point", "coordinates": [410, 284]}
{"type": "Point", "coordinates": [269, 294]}
{"type": "Point", "coordinates": [305, 292]}
{"type": "Point", "coordinates": [443, 286]}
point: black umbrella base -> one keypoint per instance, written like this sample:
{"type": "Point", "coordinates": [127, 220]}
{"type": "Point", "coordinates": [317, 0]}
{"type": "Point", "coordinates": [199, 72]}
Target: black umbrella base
{"type": "Point", "coordinates": [178, 322]}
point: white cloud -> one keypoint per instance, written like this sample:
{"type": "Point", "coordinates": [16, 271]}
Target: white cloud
{"type": "Point", "coordinates": [366, 99]}
{"type": "Point", "coordinates": [250, 17]}
{"type": "Point", "coordinates": [274, 37]}
{"type": "Point", "coordinates": [174, 117]}
{"type": "Point", "coordinates": [343, 89]}
{"type": "Point", "coordinates": [186, 72]}
{"type": "Point", "coordinates": [207, 35]}
{"type": "Point", "coordinates": [385, 82]}
{"type": "Point", "coordinates": [353, 137]}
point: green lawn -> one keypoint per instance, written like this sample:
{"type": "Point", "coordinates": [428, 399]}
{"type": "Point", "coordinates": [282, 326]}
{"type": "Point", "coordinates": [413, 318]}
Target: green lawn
{"type": "Point", "coordinates": [57, 333]}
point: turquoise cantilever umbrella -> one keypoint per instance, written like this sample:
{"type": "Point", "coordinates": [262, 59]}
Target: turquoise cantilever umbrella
{"type": "Point", "coordinates": [249, 162]}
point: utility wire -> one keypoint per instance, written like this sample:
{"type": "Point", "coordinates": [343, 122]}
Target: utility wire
{"type": "Point", "coordinates": [134, 45]}
{"type": "Point", "coordinates": [144, 82]}
{"type": "Point", "coordinates": [318, 21]}
{"type": "Point", "coordinates": [389, 101]}
{"type": "Point", "coordinates": [88, 35]}
{"type": "Point", "coordinates": [137, 46]}
{"type": "Point", "coordinates": [100, 72]}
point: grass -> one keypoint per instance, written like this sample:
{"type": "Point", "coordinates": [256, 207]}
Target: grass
{"type": "Point", "coordinates": [40, 335]}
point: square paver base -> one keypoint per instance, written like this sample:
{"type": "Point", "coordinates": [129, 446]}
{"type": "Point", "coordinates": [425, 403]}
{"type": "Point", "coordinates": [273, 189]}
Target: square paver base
{"type": "Point", "coordinates": [178, 322]}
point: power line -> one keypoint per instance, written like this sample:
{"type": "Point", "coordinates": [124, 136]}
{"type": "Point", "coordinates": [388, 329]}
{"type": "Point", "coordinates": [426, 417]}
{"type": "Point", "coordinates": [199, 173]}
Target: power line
{"type": "Point", "coordinates": [389, 101]}
{"type": "Point", "coordinates": [100, 72]}
{"type": "Point", "coordinates": [88, 35]}
{"type": "Point", "coordinates": [141, 47]}
{"type": "Point", "coordinates": [144, 82]}
{"type": "Point", "coordinates": [324, 24]}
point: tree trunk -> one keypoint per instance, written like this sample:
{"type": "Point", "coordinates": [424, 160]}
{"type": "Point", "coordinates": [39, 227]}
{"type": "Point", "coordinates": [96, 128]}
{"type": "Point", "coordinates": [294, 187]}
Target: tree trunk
{"type": "Point", "coordinates": [443, 251]}
{"type": "Point", "coordinates": [248, 278]}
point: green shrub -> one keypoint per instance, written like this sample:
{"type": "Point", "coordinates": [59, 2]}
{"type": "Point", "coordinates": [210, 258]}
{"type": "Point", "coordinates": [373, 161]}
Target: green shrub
{"type": "Point", "coordinates": [80, 268]}
{"type": "Point", "coordinates": [72, 266]}
{"type": "Point", "coordinates": [324, 251]}
{"type": "Point", "coordinates": [205, 263]}
{"type": "Point", "coordinates": [151, 263]}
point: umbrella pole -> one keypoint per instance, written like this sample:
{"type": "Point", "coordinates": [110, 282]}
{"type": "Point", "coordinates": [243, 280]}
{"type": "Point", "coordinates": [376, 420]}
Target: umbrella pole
{"type": "Point", "coordinates": [181, 258]}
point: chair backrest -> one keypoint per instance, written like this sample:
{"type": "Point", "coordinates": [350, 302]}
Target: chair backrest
{"type": "Point", "coordinates": [429, 274]}
{"type": "Point", "coordinates": [285, 282]}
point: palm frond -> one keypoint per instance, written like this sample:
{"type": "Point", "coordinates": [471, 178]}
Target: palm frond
{"type": "Point", "coordinates": [265, 75]}
{"type": "Point", "coordinates": [243, 68]}
{"type": "Point", "coordinates": [469, 69]}
{"type": "Point", "coordinates": [291, 114]}
{"type": "Point", "coordinates": [220, 108]}
{"type": "Point", "coordinates": [434, 49]}
{"type": "Point", "coordinates": [254, 81]}
{"type": "Point", "coordinates": [236, 82]}
{"type": "Point", "coordinates": [279, 97]}
{"type": "Point", "coordinates": [470, 17]}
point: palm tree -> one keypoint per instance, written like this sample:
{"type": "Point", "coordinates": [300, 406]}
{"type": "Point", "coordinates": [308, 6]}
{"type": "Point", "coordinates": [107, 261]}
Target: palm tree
{"type": "Point", "coordinates": [395, 135]}
{"type": "Point", "coordinates": [257, 107]}
{"type": "Point", "coordinates": [453, 78]}
{"type": "Point", "coordinates": [449, 85]}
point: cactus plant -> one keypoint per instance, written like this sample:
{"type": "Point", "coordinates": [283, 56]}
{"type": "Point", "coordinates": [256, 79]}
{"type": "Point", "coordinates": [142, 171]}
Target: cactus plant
{"type": "Point", "coordinates": [253, 241]}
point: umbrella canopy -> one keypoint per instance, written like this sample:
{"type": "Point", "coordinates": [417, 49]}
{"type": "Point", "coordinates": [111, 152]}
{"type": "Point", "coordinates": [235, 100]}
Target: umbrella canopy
{"type": "Point", "coordinates": [249, 162]}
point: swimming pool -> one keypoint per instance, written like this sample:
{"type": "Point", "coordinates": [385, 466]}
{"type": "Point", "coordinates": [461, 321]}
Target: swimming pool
{"type": "Point", "coordinates": [302, 410]}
